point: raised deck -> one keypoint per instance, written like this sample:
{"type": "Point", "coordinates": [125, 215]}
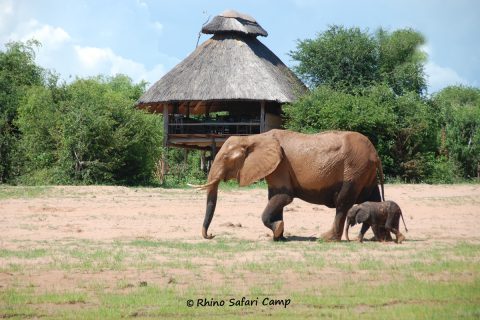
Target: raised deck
{"type": "Point", "coordinates": [205, 135]}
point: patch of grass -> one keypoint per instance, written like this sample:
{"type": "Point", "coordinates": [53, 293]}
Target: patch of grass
{"type": "Point", "coordinates": [23, 254]}
{"type": "Point", "coordinates": [370, 280]}
{"type": "Point", "coordinates": [23, 192]}
{"type": "Point", "coordinates": [200, 248]}
{"type": "Point", "coordinates": [443, 265]}
{"type": "Point", "coordinates": [371, 264]}
{"type": "Point", "coordinates": [467, 249]}
{"type": "Point", "coordinates": [58, 298]}
{"type": "Point", "coordinates": [89, 259]}
{"type": "Point", "coordinates": [410, 299]}
{"type": "Point", "coordinates": [13, 267]}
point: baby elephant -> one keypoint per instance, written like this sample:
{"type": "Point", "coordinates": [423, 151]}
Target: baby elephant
{"type": "Point", "coordinates": [383, 217]}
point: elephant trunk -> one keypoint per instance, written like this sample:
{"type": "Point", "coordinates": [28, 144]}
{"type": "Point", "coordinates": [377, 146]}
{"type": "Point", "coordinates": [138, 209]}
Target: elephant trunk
{"type": "Point", "coordinates": [211, 204]}
{"type": "Point", "coordinates": [346, 231]}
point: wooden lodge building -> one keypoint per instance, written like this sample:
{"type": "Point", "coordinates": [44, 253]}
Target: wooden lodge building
{"type": "Point", "coordinates": [231, 84]}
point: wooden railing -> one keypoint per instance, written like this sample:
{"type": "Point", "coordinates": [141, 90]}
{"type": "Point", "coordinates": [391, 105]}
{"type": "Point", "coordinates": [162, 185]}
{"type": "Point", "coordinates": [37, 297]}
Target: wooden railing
{"type": "Point", "coordinates": [181, 126]}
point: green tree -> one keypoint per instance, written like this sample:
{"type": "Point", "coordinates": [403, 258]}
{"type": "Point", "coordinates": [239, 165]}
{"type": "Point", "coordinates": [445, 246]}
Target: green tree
{"type": "Point", "coordinates": [402, 128]}
{"type": "Point", "coordinates": [18, 72]}
{"type": "Point", "coordinates": [401, 63]}
{"type": "Point", "coordinates": [460, 120]}
{"type": "Point", "coordinates": [39, 123]}
{"type": "Point", "coordinates": [349, 59]}
{"type": "Point", "coordinates": [373, 84]}
{"type": "Point", "coordinates": [415, 143]}
{"type": "Point", "coordinates": [341, 58]}
{"type": "Point", "coordinates": [92, 134]}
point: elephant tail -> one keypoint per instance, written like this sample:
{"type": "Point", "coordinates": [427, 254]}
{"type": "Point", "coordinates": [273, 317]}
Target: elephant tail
{"type": "Point", "coordinates": [381, 176]}
{"type": "Point", "coordinates": [401, 215]}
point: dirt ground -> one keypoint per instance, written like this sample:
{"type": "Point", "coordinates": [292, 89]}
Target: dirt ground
{"type": "Point", "coordinates": [61, 216]}
{"type": "Point", "coordinates": [433, 213]}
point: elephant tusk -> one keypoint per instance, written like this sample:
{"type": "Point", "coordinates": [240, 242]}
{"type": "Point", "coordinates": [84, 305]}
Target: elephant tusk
{"type": "Point", "coordinates": [202, 186]}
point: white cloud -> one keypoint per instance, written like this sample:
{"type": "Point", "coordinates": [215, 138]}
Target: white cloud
{"type": "Point", "coordinates": [50, 37]}
{"type": "Point", "coordinates": [95, 61]}
{"type": "Point", "coordinates": [157, 26]}
{"type": "Point", "coordinates": [439, 77]}
{"type": "Point", "coordinates": [427, 49]}
{"type": "Point", "coordinates": [6, 17]}
{"type": "Point", "coordinates": [142, 4]}
{"type": "Point", "coordinates": [63, 53]}
{"type": "Point", "coordinates": [6, 7]}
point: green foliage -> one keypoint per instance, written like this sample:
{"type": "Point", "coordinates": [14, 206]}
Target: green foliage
{"type": "Point", "coordinates": [375, 84]}
{"type": "Point", "coordinates": [400, 60]}
{"type": "Point", "coordinates": [18, 72]}
{"type": "Point", "coordinates": [183, 168]}
{"type": "Point", "coordinates": [93, 134]}
{"type": "Point", "coordinates": [348, 59]}
{"type": "Point", "coordinates": [401, 127]}
{"type": "Point", "coordinates": [460, 119]}
{"type": "Point", "coordinates": [339, 57]}
{"type": "Point", "coordinates": [88, 131]}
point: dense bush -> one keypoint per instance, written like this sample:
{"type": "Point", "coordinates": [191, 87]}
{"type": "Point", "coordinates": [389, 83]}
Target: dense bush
{"type": "Point", "coordinates": [375, 84]}
{"type": "Point", "coordinates": [92, 134]}
{"type": "Point", "coordinates": [89, 131]}
{"type": "Point", "coordinates": [401, 127]}
{"type": "Point", "coordinates": [18, 72]}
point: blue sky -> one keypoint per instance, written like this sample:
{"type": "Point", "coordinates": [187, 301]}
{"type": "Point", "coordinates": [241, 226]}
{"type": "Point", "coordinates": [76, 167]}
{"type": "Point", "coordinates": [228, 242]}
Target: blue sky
{"type": "Point", "coordinates": [145, 38]}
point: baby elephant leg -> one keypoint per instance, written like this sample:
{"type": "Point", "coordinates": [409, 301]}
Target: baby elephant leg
{"type": "Point", "coordinates": [392, 225]}
{"type": "Point", "coordinates": [361, 234]}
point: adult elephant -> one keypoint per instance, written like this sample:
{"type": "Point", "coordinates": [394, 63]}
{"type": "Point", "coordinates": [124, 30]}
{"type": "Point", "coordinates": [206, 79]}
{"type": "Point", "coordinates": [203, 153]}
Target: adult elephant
{"type": "Point", "coordinates": [334, 168]}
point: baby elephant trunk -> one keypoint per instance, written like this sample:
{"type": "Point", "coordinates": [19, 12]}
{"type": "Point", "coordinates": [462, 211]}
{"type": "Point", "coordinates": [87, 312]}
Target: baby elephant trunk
{"type": "Point", "coordinates": [346, 230]}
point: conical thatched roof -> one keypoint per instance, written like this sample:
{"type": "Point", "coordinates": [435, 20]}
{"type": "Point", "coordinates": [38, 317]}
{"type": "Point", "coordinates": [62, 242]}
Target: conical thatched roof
{"type": "Point", "coordinates": [233, 21]}
{"type": "Point", "coordinates": [229, 66]}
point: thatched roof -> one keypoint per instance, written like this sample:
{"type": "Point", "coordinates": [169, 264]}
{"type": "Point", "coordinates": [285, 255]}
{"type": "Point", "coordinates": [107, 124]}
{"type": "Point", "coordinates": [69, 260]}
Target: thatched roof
{"type": "Point", "coordinates": [233, 21]}
{"type": "Point", "coordinates": [228, 66]}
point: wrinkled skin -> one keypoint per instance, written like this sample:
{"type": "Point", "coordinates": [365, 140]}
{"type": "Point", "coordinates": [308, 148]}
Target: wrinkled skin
{"type": "Point", "coordinates": [383, 217]}
{"type": "Point", "coordinates": [336, 169]}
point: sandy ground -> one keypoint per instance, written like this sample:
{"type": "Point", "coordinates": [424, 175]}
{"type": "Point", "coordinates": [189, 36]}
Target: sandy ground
{"type": "Point", "coordinates": [432, 213]}
{"type": "Point", "coordinates": [101, 215]}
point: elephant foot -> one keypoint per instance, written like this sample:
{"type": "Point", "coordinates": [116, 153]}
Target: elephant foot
{"type": "Point", "coordinates": [400, 238]}
{"type": "Point", "coordinates": [331, 235]}
{"type": "Point", "coordinates": [278, 231]}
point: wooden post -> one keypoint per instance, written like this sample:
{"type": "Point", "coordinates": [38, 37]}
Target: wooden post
{"type": "Point", "coordinates": [262, 116]}
{"type": "Point", "coordinates": [213, 148]}
{"type": "Point", "coordinates": [163, 161]}
{"type": "Point", "coordinates": [165, 125]}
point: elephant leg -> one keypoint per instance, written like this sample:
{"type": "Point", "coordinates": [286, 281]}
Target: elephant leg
{"type": "Point", "coordinates": [363, 230]}
{"type": "Point", "coordinates": [361, 234]}
{"type": "Point", "coordinates": [392, 225]}
{"type": "Point", "coordinates": [388, 236]}
{"type": "Point", "coordinates": [399, 237]}
{"type": "Point", "coordinates": [377, 233]}
{"type": "Point", "coordinates": [272, 216]}
{"type": "Point", "coordinates": [375, 196]}
{"type": "Point", "coordinates": [345, 200]}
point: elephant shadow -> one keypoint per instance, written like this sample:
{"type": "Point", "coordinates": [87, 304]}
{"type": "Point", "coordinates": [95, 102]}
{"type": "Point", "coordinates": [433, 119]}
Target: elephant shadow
{"type": "Point", "coordinates": [300, 238]}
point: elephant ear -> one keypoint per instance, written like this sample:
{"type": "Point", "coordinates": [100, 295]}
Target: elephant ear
{"type": "Point", "coordinates": [362, 216]}
{"type": "Point", "coordinates": [262, 158]}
